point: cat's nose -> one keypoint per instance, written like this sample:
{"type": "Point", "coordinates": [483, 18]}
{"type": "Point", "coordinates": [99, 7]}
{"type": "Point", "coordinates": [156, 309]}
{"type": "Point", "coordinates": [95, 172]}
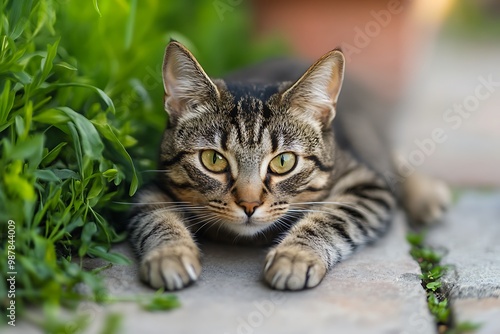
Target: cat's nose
{"type": "Point", "coordinates": [249, 207]}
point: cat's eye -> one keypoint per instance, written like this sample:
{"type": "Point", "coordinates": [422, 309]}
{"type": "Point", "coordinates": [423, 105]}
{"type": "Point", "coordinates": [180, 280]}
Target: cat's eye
{"type": "Point", "coordinates": [282, 163]}
{"type": "Point", "coordinates": [213, 161]}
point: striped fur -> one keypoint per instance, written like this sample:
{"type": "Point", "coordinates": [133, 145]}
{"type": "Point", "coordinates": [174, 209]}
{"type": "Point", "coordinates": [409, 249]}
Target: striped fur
{"type": "Point", "coordinates": [327, 206]}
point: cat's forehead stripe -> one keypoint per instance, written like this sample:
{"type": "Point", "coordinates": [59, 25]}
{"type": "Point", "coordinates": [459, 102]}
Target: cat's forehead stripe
{"type": "Point", "coordinates": [261, 92]}
{"type": "Point", "coordinates": [250, 113]}
{"type": "Point", "coordinates": [247, 118]}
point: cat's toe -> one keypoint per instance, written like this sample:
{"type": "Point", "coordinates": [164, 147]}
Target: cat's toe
{"type": "Point", "coordinates": [171, 267]}
{"type": "Point", "coordinates": [293, 268]}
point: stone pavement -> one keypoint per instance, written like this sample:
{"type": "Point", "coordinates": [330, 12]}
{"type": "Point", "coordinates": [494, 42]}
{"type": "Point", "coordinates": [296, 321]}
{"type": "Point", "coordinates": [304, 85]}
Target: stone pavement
{"type": "Point", "coordinates": [470, 237]}
{"type": "Point", "coordinates": [376, 291]}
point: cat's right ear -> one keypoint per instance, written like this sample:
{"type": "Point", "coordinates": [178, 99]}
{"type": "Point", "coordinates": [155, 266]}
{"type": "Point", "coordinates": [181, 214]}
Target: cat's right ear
{"type": "Point", "coordinates": [186, 84]}
{"type": "Point", "coordinates": [316, 93]}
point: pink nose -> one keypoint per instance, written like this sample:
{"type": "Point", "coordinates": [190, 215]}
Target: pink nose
{"type": "Point", "coordinates": [249, 207]}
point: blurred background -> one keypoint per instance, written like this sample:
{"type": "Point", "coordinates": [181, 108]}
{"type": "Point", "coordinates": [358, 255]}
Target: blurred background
{"type": "Point", "coordinates": [423, 57]}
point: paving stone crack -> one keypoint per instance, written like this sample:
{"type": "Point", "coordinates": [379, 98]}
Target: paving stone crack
{"type": "Point", "coordinates": [439, 300]}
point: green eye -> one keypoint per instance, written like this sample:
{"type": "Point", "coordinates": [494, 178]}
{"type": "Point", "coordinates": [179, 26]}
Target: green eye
{"type": "Point", "coordinates": [213, 161]}
{"type": "Point", "coordinates": [282, 163]}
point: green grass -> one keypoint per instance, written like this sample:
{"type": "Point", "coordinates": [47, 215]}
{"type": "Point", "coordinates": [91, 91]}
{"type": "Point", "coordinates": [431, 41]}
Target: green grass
{"type": "Point", "coordinates": [81, 117]}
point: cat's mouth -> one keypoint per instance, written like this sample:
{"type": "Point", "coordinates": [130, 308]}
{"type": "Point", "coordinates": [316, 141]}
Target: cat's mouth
{"type": "Point", "coordinates": [247, 226]}
{"type": "Point", "coordinates": [237, 221]}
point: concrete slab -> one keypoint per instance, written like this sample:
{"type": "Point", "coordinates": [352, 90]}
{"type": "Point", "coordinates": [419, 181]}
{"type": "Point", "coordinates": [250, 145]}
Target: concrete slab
{"type": "Point", "coordinates": [375, 291]}
{"type": "Point", "coordinates": [485, 312]}
{"type": "Point", "coordinates": [470, 237]}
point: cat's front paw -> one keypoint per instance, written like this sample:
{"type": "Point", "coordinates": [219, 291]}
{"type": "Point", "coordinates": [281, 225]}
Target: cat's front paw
{"type": "Point", "coordinates": [293, 268]}
{"type": "Point", "coordinates": [172, 267]}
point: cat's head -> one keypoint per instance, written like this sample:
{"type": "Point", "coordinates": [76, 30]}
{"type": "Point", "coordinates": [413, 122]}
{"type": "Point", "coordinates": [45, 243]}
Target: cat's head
{"type": "Point", "coordinates": [247, 156]}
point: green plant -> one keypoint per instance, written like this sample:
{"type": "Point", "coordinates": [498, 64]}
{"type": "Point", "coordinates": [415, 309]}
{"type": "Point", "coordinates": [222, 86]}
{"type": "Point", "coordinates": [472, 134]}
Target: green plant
{"type": "Point", "coordinates": [464, 327]}
{"type": "Point", "coordinates": [432, 271]}
{"type": "Point", "coordinates": [59, 166]}
{"type": "Point", "coordinates": [81, 116]}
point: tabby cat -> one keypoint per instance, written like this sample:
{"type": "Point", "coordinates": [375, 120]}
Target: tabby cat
{"type": "Point", "coordinates": [258, 163]}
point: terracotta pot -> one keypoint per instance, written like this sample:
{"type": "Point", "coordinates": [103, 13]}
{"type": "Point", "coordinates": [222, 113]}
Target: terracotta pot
{"type": "Point", "coordinates": [380, 38]}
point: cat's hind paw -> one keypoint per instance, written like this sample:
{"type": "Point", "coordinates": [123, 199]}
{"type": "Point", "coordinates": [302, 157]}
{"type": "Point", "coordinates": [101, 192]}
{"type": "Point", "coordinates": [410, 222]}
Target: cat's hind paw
{"type": "Point", "coordinates": [293, 268]}
{"type": "Point", "coordinates": [172, 267]}
{"type": "Point", "coordinates": [426, 199]}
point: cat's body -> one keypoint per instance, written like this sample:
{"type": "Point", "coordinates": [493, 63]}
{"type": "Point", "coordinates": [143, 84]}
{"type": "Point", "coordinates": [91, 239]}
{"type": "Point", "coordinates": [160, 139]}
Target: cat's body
{"type": "Point", "coordinates": [260, 163]}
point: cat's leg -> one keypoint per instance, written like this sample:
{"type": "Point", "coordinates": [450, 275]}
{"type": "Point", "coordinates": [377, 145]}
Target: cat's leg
{"type": "Point", "coordinates": [169, 257]}
{"type": "Point", "coordinates": [358, 211]}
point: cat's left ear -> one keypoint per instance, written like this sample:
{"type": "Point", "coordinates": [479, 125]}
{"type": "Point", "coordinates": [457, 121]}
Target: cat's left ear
{"type": "Point", "coordinates": [186, 84]}
{"type": "Point", "coordinates": [315, 94]}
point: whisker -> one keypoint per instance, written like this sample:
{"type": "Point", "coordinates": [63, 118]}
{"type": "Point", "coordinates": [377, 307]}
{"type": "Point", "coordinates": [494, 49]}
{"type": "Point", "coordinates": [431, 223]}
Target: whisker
{"type": "Point", "coordinates": [237, 236]}
{"type": "Point", "coordinates": [280, 224]}
{"type": "Point", "coordinates": [198, 221]}
{"type": "Point", "coordinates": [155, 170]}
{"type": "Point", "coordinates": [218, 230]}
{"type": "Point", "coordinates": [198, 215]}
{"type": "Point", "coordinates": [335, 203]}
{"type": "Point", "coordinates": [178, 209]}
{"type": "Point", "coordinates": [197, 218]}
{"type": "Point", "coordinates": [194, 221]}
{"type": "Point", "coordinates": [150, 203]}
{"type": "Point", "coordinates": [292, 214]}
{"type": "Point", "coordinates": [209, 221]}
{"type": "Point", "coordinates": [290, 218]}
{"type": "Point", "coordinates": [311, 210]}
{"type": "Point", "coordinates": [213, 222]}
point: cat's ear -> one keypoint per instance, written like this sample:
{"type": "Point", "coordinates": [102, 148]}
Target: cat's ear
{"type": "Point", "coordinates": [315, 94]}
{"type": "Point", "coordinates": [186, 84]}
